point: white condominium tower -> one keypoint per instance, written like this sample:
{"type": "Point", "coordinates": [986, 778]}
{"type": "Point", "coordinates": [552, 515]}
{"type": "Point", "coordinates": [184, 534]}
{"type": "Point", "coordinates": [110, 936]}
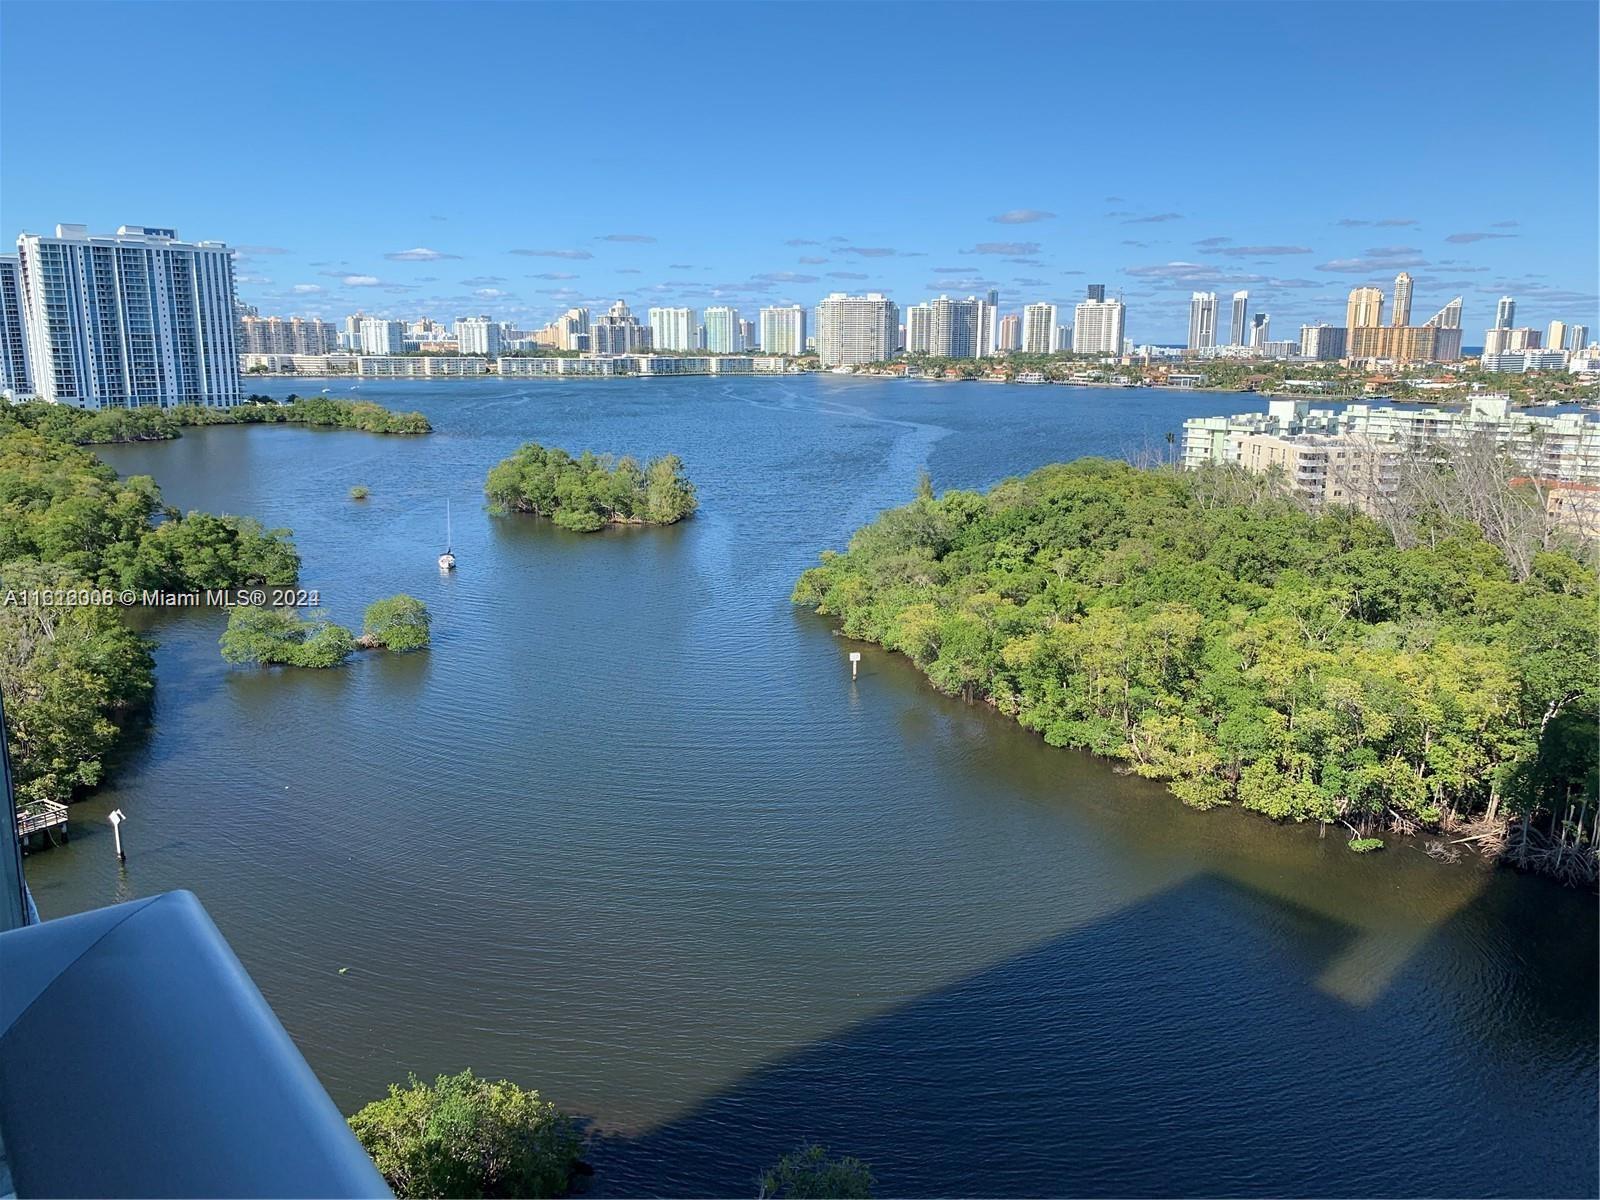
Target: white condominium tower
{"type": "Point", "coordinates": [1260, 326]}
{"type": "Point", "coordinates": [919, 329]}
{"type": "Point", "coordinates": [961, 328]}
{"type": "Point", "coordinates": [1203, 321]}
{"type": "Point", "coordinates": [1505, 313]}
{"type": "Point", "coordinates": [1039, 329]}
{"type": "Point", "coordinates": [1400, 314]}
{"type": "Point", "coordinates": [1097, 327]}
{"type": "Point", "coordinates": [722, 330]}
{"type": "Point", "coordinates": [379, 336]}
{"type": "Point", "coordinates": [857, 329]}
{"type": "Point", "coordinates": [478, 335]}
{"type": "Point", "coordinates": [673, 329]}
{"type": "Point", "coordinates": [783, 330]}
{"type": "Point", "coordinates": [129, 319]}
{"type": "Point", "coordinates": [16, 380]}
{"type": "Point", "coordinates": [1241, 314]}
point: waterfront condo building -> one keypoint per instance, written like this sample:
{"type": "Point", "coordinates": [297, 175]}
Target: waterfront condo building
{"type": "Point", "coordinates": [1203, 321]}
{"type": "Point", "coordinates": [783, 330]}
{"type": "Point", "coordinates": [1505, 313]}
{"type": "Point", "coordinates": [478, 335]}
{"type": "Point", "coordinates": [852, 330]}
{"type": "Point", "coordinates": [619, 332]}
{"type": "Point", "coordinates": [919, 329]}
{"type": "Point", "coordinates": [274, 335]}
{"type": "Point", "coordinates": [1010, 335]}
{"type": "Point", "coordinates": [1260, 330]}
{"type": "Point", "coordinates": [16, 380]}
{"type": "Point", "coordinates": [959, 328]}
{"type": "Point", "coordinates": [129, 319]}
{"type": "Point", "coordinates": [1240, 315]}
{"type": "Point", "coordinates": [379, 336]}
{"type": "Point", "coordinates": [673, 329]}
{"type": "Point", "coordinates": [722, 330]}
{"type": "Point", "coordinates": [1322, 343]}
{"type": "Point", "coordinates": [1039, 329]}
{"type": "Point", "coordinates": [1364, 309]}
{"type": "Point", "coordinates": [1097, 327]}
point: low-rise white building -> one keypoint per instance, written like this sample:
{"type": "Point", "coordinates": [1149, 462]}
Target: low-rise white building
{"type": "Point", "coordinates": [422, 366]}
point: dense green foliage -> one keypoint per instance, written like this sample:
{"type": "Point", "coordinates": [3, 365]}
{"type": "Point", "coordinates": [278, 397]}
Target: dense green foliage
{"type": "Point", "coordinates": [398, 623]}
{"type": "Point", "coordinates": [462, 1136]}
{"type": "Point", "coordinates": [260, 636]}
{"type": "Point", "coordinates": [810, 1174]}
{"type": "Point", "coordinates": [591, 491]}
{"type": "Point", "coordinates": [265, 637]}
{"type": "Point", "coordinates": [71, 678]}
{"type": "Point", "coordinates": [1241, 650]}
{"type": "Point", "coordinates": [88, 427]}
{"type": "Point", "coordinates": [73, 675]}
{"type": "Point", "coordinates": [62, 507]}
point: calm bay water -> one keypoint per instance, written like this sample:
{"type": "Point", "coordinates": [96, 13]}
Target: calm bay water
{"type": "Point", "coordinates": [630, 834]}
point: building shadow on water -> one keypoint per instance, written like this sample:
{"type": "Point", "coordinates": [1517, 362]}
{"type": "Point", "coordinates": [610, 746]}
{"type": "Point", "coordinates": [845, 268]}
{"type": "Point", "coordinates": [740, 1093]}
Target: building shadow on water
{"type": "Point", "coordinates": [1177, 1047]}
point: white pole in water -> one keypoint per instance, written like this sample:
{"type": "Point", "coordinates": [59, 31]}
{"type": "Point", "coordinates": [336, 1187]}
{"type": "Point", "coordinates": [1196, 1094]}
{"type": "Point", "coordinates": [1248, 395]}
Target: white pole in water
{"type": "Point", "coordinates": [855, 662]}
{"type": "Point", "coordinates": [117, 818]}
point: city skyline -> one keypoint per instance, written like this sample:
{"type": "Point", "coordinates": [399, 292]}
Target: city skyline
{"type": "Point", "coordinates": [1153, 212]}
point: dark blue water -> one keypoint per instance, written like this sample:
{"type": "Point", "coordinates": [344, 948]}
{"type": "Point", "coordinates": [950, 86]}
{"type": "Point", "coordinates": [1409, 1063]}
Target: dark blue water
{"type": "Point", "coordinates": [629, 834]}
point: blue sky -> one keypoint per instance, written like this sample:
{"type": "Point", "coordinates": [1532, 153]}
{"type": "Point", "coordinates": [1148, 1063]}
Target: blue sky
{"type": "Point", "coordinates": [516, 159]}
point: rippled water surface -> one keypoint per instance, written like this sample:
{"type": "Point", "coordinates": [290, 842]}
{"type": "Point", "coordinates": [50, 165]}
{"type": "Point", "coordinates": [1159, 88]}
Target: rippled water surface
{"type": "Point", "coordinates": [630, 834]}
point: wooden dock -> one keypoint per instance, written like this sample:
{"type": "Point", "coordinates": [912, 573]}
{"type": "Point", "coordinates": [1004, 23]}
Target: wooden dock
{"type": "Point", "coordinates": [41, 823]}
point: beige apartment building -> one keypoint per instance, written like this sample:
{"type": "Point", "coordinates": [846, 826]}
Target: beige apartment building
{"type": "Point", "coordinates": [1323, 470]}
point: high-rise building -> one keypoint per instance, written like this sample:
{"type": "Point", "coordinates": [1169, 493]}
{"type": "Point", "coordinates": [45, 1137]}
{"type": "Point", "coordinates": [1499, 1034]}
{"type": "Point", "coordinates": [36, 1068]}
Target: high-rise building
{"type": "Point", "coordinates": [1241, 313]}
{"type": "Point", "coordinates": [1097, 327]}
{"type": "Point", "coordinates": [1039, 329]}
{"type": "Point", "coordinates": [722, 330]}
{"type": "Point", "coordinates": [919, 329]}
{"type": "Point", "coordinates": [1505, 313]}
{"type": "Point", "coordinates": [857, 329]}
{"type": "Point", "coordinates": [1448, 317]}
{"type": "Point", "coordinates": [1578, 338]}
{"type": "Point", "coordinates": [1202, 321]}
{"type": "Point", "coordinates": [379, 336]}
{"type": "Point", "coordinates": [1365, 308]}
{"type": "Point", "coordinates": [961, 328]}
{"type": "Point", "coordinates": [1400, 313]}
{"type": "Point", "coordinates": [783, 330]}
{"type": "Point", "coordinates": [1260, 327]}
{"type": "Point", "coordinates": [478, 335]}
{"type": "Point", "coordinates": [1403, 344]}
{"type": "Point", "coordinates": [1323, 343]}
{"type": "Point", "coordinates": [618, 332]}
{"type": "Point", "coordinates": [1555, 337]}
{"type": "Point", "coordinates": [1096, 292]}
{"type": "Point", "coordinates": [673, 329]}
{"type": "Point", "coordinates": [128, 319]}
{"type": "Point", "coordinates": [1010, 336]}
{"type": "Point", "coordinates": [16, 380]}
{"type": "Point", "coordinates": [274, 335]}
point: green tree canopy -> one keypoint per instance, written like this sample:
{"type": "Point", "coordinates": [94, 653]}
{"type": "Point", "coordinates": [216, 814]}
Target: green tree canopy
{"type": "Point", "coordinates": [461, 1136]}
{"type": "Point", "coordinates": [397, 623]}
{"type": "Point", "coordinates": [591, 491]}
{"type": "Point", "coordinates": [810, 1173]}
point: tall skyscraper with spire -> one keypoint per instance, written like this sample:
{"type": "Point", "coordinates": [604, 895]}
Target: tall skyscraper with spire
{"type": "Point", "coordinates": [1401, 314]}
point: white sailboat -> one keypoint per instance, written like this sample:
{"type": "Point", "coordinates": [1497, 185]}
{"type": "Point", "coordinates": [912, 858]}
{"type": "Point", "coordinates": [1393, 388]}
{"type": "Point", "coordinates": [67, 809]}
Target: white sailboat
{"type": "Point", "coordinates": [447, 560]}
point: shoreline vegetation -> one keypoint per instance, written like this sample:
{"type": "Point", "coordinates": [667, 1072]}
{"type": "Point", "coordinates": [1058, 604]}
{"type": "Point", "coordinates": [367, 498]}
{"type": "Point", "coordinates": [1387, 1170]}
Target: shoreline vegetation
{"type": "Point", "coordinates": [75, 678]}
{"type": "Point", "coordinates": [264, 637]}
{"type": "Point", "coordinates": [1399, 677]}
{"type": "Point", "coordinates": [113, 426]}
{"type": "Point", "coordinates": [587, 493]}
